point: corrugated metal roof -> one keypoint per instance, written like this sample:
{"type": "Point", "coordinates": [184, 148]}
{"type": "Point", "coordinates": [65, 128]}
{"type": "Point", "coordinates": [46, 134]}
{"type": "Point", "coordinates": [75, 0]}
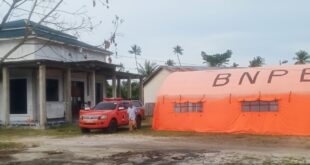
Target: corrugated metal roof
{"type": "Point", "coordinates": [17, 29]}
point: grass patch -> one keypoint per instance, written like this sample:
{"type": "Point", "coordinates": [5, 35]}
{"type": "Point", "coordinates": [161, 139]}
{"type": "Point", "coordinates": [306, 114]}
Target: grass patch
{"type": "Point", "coordinates": [7, 134]}
{"type": "Point", "coordinates": [10, 145]}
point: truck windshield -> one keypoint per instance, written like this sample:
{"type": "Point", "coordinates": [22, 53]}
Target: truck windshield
{"type": "Point", "coordinates": [105, 106]}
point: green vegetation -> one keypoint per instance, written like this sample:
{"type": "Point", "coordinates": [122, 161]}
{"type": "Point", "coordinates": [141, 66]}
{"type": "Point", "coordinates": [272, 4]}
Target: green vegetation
{"type": "Point", "coordinates": [216, 60]}
{"type": "Point", "coordinates": [257, 62]}
{"type": "Point", "coordinates": [10, 145]}
{"type": "Point", "coordinates": [178, 50]}
{"type": "Point", "coordinates": [147, 69]}
{"type": "Point", "coordinates": [302, 57]}
{"type": "Point", "coordinates": [7, 134]}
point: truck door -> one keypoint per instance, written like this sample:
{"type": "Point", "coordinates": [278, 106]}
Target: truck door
{"type": "Point", "coordinates": [122, 114]}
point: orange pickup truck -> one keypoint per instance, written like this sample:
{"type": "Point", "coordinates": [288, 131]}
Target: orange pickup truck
{"type": "Point", "coordinates": [109, 114]}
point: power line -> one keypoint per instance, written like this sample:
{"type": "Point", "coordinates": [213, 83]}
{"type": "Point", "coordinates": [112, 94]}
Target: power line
{"type": "Point", "coordinates": [152, 59]}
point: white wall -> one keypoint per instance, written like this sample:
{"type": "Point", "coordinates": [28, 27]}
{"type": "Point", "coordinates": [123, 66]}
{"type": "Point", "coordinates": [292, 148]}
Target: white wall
{"type": "Point", "coordinates": [56, 109]}
{"type": "Point", "coordinates": [38, 49]}
{"type": "Point", "coordinates": [7, 45]}
{"type": "Point", "coordinates": [153, 86]}
{"type": "Point", "coordinates": [66, 53]}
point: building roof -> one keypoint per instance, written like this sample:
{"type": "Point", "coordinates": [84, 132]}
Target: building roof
{"type": "Point", "coordinates": [17, 29]}
{"type": "Point", "coordinates": [174, 69]}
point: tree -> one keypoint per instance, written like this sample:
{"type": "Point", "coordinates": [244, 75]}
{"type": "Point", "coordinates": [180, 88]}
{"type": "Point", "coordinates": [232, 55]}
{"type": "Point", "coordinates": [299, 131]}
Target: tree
{"type": "Point", "coordinates": [47, 13]}
{"type": "Point", "coordinates": [257, 62]}
{"type": "Point", "coordinates": [178, 50]}
{"type": "Point", "coordinates": [135, 50]}
{"type": "Point", "coordinates": [302, 57]}
{"type": "Point", "coordinates": [235, 65]}
{"type": "Point", "coordinates": [217, 60]}
{"type": "Point", "coordinates": [170, 62]}
{"type": "Point", "coordinates": [148, 68]}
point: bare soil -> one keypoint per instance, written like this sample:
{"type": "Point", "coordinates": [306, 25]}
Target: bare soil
{"type": "Point", "coordinates": [135, 148]}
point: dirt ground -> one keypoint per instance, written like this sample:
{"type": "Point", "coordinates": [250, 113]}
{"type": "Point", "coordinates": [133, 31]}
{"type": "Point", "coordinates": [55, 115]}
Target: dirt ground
{"type": "Point", "coordinates": [133, 148]}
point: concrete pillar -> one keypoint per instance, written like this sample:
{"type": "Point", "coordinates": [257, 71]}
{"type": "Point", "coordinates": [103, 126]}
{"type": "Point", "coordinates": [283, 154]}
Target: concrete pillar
{"type": "Point", "coordinates": [129, 94]}
{"type": "Point", "coordinates": [93, 88]}
{"type": "Point", "coordinates": [42, 96]}
{"type": "Point", "coordinates": [104, 87]}
{"type": "Point", "coordinates": [119, 90]}
{"type": "Point", "coordinates": [67, 95]}
{"type": "Point", "coordinates": [114, 86]}
{"type": "Point", "coordinates": [141, 90]}
{"type": "Point", "coordinates": [5, 96]}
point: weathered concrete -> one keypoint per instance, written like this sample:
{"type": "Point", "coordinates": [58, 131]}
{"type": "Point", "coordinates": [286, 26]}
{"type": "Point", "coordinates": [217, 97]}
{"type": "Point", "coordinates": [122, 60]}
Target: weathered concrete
{"type": "Point", "coordinates": [42, 95]}
{"type": "Point", "coordinates": [114, 86]}
{"type": "Point", "coordinates": [5, 96]}
{"type": "Point", "coordinates": [67, 94]}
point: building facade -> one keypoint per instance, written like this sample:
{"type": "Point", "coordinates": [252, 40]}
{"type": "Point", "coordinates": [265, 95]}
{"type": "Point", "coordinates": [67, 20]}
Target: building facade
{"type": "Point", "coordinates": [51, 75]}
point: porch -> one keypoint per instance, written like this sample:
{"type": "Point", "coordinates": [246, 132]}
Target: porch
{"type": "Point", "coordinates": [39, 92]}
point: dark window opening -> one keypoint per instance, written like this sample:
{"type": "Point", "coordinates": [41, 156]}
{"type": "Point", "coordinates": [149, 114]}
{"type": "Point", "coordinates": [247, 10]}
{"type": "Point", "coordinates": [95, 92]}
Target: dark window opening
{"type": "Point", "coordinates": [260, 106]}
{"type": "Point", "coordinates": [18, 96]}
{"type": "Point", "coordinates": [52, 90]}
{"type": "Point", "coordinates": [188, 107]}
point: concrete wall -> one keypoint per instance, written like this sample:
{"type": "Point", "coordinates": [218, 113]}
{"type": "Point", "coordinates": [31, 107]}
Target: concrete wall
{"type": "Point", "coordinates": [151, 89]}
{"type": "Point", "coordinates": [39, 49]}
{"type": "Point", "coordinates": [7, 45]}
{"type": "Point", "coordinates": [153, 86]}
{"type": "Point", "coordinates": [56, 109]}
{"type": "Point", "coordinates": [66, 53]}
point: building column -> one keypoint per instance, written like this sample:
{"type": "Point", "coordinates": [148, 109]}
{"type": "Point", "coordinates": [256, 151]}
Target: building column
{"type": "Point", "coordinates": [67, 95]}
{"type": "Point", "coordinates": [42, 96]}
{"type": "Point", "coordinates": [5, 96]}
{"type": "Point", "coordinates": [104, 87]}
{"type": "Point", "coordinates": [119, 90]}
{"type": "Point", "coordinates": [93, 88]}
{"type": "Point", "coordinates": [129, 94]}
{"type": "Point", "coordinates": [141, 90]}
{"type": "Point", "coordinates": [114, 86]}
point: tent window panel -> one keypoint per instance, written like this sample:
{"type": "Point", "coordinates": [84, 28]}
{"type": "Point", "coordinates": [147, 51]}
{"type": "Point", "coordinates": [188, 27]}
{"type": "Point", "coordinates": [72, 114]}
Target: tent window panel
{"type": "Point", "coordinates": [177, 107]}
{"type": "Point", "coordinates": [259, 106]}
{"type": "Point", "coordinates": [188, 107]}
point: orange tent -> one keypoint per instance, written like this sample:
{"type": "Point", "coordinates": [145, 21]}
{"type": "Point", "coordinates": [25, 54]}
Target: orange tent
{"type": "Point", "coordinates": [265, 100]}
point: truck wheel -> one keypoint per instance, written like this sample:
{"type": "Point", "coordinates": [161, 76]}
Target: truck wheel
{"type": "Point", "coordinates": [138, 122]}
{"type": "Point", "coordinates": [112, 126]}
{"type": "Point", "coordinates": [85, 130]}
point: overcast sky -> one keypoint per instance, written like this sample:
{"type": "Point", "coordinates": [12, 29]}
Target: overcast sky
{"type": "Point", "coordinates": [274, 30]}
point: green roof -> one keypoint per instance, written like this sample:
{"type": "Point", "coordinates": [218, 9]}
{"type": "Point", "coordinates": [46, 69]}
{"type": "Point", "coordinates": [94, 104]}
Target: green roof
{"type": "Point", "coordinates": [17, 29]}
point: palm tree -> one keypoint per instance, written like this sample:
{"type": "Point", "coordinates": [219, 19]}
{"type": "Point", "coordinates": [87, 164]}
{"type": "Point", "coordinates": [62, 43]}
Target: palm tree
{"type": "Point", "coordinates": [216, 60]}
{"type": "Point", "coordinates": [135, 50]}
{"type": "Point", "coordinates": [257, 62]}
{"type": "Point", "coordinates": [148, 68]}
{"type": "Point", "coordinates": [170, 62]}
{"type": "Point", "coordinates": [178, 50]}
{"type": "Point", "coordinates": [302, 57]}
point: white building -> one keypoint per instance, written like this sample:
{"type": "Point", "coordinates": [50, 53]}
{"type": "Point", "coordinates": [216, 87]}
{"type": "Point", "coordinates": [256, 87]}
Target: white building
{"type": "Point", "coordinates": [51, 75]}
{"type": "Point", "coordinates": [152, 84]}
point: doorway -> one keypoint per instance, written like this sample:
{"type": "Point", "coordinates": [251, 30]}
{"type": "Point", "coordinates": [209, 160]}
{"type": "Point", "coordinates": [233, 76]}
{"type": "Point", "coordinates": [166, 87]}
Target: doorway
{"type": "Point", "coordinates": [77, 93]}
{"type": "Point", "coordinates": [18, 96]}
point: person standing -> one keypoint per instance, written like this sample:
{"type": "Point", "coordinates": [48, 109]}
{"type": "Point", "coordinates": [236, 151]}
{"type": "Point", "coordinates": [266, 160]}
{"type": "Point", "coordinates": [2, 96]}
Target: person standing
{"type": "Point", "coordinates": [132, 110]}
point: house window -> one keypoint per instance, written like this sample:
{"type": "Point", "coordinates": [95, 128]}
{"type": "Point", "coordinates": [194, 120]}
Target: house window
{"type": "Point", "coordinates": [52, 90]}
{"type": "Point", "coordinates": [260, 106]}
{"type": "Point", "coordinates": [188, 107]}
